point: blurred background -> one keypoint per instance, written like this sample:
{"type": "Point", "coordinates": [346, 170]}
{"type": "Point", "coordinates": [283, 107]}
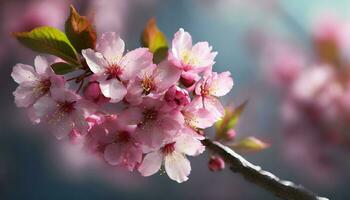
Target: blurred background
{"type": "Point", "coordinates": [290, 58]}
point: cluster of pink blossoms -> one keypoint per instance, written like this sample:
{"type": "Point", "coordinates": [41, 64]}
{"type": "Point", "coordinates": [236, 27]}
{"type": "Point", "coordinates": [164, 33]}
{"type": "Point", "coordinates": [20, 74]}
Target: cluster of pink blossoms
{"type": "Point", "coordinates": [156, 112]}
{"type": "Point", "coordinates": [315, 94]}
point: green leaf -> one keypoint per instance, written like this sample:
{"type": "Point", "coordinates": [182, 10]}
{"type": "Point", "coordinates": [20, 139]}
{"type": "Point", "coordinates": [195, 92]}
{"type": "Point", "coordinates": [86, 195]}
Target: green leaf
{"type": "Point", "coordinates": [229, 120]}
{"type": "Point", "coordinates": [155, 40]}
{"type": "Point", "coordinates": [250, 144]}
{"type": "Point", "coordinates": [80, 31]}
{"type": "Point", "coordinates": [48, 40]}
{"type": "Point", "coordinates": [62, 68]}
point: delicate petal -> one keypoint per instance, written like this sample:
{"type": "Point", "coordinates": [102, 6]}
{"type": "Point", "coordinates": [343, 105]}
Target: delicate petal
{"type": "Point", "coordinates": [44, 106]}
{"type": "Point", "coordinates": [111, 46]}
{"type": "Point", "coordinates": [113, 154]}
{"type": "Point", "coordinates": [182, 42]}
{"type": "Point", "coordinates": [24, 96]}
{"type": "Point", "coordinates": [22, 73]}
{"type": "Point", "coordinates": [203, 55]}
{"type": "Point", "coordinates": [134, 61]}
{"type": "Point", "coordinates": [32, 116]}
{"type": "Point", "coordinates": [113, 89]}
{"type": "Point", "coordinates": [131, 116]}
{"type": "Point", "coordinates": [188, 145]}
{"type": "Point", "coordinates": [62, 128]}
{"type": "Point", "coordinates": [95, 61]}
{"type": "Point", "coordinates": [151, 164]}
{"type": "Point", "coordinates": [214, 106]}
{"type": "Point", "coordinates": [177, 167]}
{"type": "Point", "coordinates": [202, 118]}
{"type": "Point", "coordinates": [166, 75]}
{"type": "Point", "coordinates": [41, 65]}
{"type": "Point", "coordinates": [134, 95]}
{"type": "Point", "coordinates": [221, 85]}
{"type": "Point", "coordinates": [63, 94]}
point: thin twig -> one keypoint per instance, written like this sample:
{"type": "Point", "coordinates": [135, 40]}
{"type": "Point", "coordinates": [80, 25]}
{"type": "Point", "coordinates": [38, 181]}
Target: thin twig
{"type": "Point", "coordinates": [281, 188]}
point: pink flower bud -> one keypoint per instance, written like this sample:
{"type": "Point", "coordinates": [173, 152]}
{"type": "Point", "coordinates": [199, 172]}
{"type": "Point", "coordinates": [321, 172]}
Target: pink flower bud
{"type": "Point", "coordinates": [92, 92]}
{"type": "Point", "coordinates": [177, 97]}
{"type": "Point", "coordinates": [216, 163]}
{"type": "Point", "coordinates": [231, 134]}
{"type": "Point", "coordinates": [188, 79]}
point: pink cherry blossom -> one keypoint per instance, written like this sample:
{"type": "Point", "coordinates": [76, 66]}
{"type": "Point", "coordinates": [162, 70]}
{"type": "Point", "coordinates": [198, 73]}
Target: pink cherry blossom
{"type": "Point", "coordinates": [64, 111]}
{"type": "Point", "coordinates": [152, 81]}
{"type": "Point", "coordinates": [34, 83]}
{"type": "Point", "coordinates": [190, 58]}
{"type": "Point", "coordinates": [160, 110]}
{"type": "Point", "coordinates": [156, 124]}
{"type": "Point", "coordinates": [172, 155]}
{"type": "Point", "coordinates": [113, 69]}
{"type": "Point", "coordinates": [211, 86]}
{"type": "Point", "coordinates": [117, 142]}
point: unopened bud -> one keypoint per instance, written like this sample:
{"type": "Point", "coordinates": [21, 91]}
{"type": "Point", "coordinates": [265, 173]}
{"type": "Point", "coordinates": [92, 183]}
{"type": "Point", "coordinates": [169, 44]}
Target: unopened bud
{"type": "Point", "coordinates": [216, 163]}
{"type": "Point", "coordinates": [92, 92]}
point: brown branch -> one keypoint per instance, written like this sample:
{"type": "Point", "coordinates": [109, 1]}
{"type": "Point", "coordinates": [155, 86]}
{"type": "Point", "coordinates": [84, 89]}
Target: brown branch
{"type": "Point", "coordinates": [281, 188]}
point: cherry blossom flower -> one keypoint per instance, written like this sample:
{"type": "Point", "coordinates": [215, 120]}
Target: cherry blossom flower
{"type": "Point", "coordinates": [153, 81]}
{"type": "Point", "coordinates": [64, 111]}
{"type": "Point", "coordinates": [113, 69]}
{"type": "Point", "coordinates": [156, 124]}
{"type": "Point", "coordinates": [34, 83]}
{"type": "Point", "coordinates": [117, 142]}
{"type": "Point", "coordinates": [192, 59]}
{"type": "Point", "coordinates": [211, 86]}
{"type": "Point", "coordinates": [173, 156]}
{"type": "Point", "coordinates": [160, 110]}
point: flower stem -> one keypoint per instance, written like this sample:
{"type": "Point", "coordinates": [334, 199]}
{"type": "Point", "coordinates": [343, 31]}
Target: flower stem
{"type": "Point", "coordinates": [280, 188]}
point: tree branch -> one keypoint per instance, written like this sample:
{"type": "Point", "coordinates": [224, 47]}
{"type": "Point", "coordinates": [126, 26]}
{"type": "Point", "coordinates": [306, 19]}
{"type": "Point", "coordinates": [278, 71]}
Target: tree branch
{"type": "Point", "coordinates": [281, 188]}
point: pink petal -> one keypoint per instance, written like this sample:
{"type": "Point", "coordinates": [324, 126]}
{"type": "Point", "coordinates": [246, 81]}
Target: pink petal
{"type": "Point", "coordinates": [63, 127]}
{"type": "Point", "coordinates": [44, 106]}
{"type": "Point", "coordinates": [23, 73]}
{"type": "Point", "coordinates": [177, 167]}
{"type": "Point", "coordinates": [166, 75]}
{"type": "Point", "coordinates": [95, 61]}
{"type": "Point", "coordinates": [189, 145]}
{"type": "Point", "coordinates": [134, 95]}
{"type": "Point", "coordinates": [32, 116]}
{"type": "Point", "coordinates": [63, 94]}
{"type": "Point", "coordinates": [202, 118]}
{"type": "Point", "coordinates": [111, 46]}
{"type": "Point", "coordinates": [135, 61]}
{"type": "Point", "coordinates": [182, 42]}
{"type": "Point", "coordinates": [202, 52]}
{"type": "Point", "coordinates": [113, 154]}
{"type": "Point", "coordinates": [221, 85]}
{"type": "Point", "coordinates": [151, 164]}
{"type": "Point", "coordinates": [24, 96]}
{"type": "Point", "coordinates": [132, 157]}
{"type": "Point", "coordinates": [214, 106]}
{"type": "Point", "coordinates": [42, 67]}
{"type": "Point", "coordinates": [113, 89]}
{"type": "Point", "coordinates": [131, 116]}
{"type": "Point", "coordinates": [198, 87]}
{"type": "Point", "coordinates": [152, 136]}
